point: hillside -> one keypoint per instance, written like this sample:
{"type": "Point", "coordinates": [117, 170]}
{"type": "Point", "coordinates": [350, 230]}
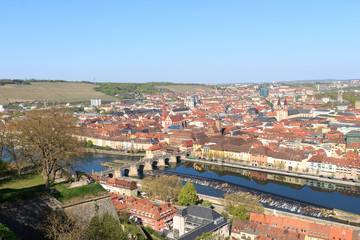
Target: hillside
{"type": "Point", "coordinates": [136, 90]}
{"type": "Point", "coordinates": [186, 88]}
{"type": "Point", "coordinates": [60, 92]}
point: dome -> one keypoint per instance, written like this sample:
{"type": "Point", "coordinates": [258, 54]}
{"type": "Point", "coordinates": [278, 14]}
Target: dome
{"type": "Point", "coordinates": [253, 111]}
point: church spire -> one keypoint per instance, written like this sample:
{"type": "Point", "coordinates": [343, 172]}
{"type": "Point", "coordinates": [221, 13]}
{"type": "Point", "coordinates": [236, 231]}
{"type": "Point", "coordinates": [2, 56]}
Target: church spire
{"type": "Point", "coordinates": [164, 112]}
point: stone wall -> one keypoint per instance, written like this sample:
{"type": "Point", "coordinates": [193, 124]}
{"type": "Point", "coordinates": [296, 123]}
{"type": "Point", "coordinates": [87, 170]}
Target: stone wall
{"type": "Point", "coordinates": [27, 218]}
{"type": "Point", "coordinates": [85, 209]}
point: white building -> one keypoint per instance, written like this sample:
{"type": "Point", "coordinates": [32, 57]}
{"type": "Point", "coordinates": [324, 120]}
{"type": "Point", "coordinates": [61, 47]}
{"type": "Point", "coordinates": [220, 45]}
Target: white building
{"type": "Point", "coordinates": [95, 102]}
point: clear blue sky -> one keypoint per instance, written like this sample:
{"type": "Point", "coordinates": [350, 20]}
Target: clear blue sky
{"type": "Point", "coordinates": [201, 41]}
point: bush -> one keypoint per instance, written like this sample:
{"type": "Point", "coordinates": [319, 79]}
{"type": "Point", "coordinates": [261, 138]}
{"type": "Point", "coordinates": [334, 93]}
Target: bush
{"type": "Point", "coordinates": [105, 228]}
{"type": "Point", "coordinates": [6, 233]}
{"type": "Point", "coordinates": [89, 144]}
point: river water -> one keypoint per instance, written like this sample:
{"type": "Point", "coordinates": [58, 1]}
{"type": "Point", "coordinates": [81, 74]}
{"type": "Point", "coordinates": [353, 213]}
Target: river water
{"type": "Point", "coordinates": [329, 195]}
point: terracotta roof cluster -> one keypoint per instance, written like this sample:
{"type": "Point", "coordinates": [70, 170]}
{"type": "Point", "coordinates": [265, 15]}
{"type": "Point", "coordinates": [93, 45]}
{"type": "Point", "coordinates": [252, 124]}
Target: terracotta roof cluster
{"type": "Point", "coordinates": [297, 226]}
{"type": "Point", "coordinates": [143, 207]}
{"type": "Point", "coordinates": [114, 182]}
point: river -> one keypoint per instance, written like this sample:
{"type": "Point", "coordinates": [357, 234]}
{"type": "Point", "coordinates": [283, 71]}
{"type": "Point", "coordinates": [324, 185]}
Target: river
{"type": "Point", "coordinates": [346, 198]}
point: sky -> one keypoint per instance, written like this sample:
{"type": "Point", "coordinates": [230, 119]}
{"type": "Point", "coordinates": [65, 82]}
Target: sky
{"type": "Point", "coordinates": [188, 41]}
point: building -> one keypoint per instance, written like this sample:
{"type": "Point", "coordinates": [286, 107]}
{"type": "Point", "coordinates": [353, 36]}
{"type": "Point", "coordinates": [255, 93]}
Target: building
{"type": "Point", "coordinates": [352, 137]}
{"type": "Point", "coordinates": [193, 221]}
{"type": "Point", "coordinates": [191, 101]}
{"type": "Point", "coordinates": [118, 186]}
{"type": "Point", "coordinates": [300, 228]}
{"type": "Point", "coordinates": [156, 217]}
{"type": "Point", "coordinates": [95, 102]}
{"type": "Point", "coordinates": [357, 104]}
{"type": "Point", "coordinates": [252, 231]}
{"type": "Point", "coordinates": [264, 92]}
{"type": "Point", "coordinates": [281, 111]}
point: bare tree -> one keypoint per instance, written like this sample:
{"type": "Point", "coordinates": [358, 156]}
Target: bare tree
{"type": "Point", "coordinates": [16, 152]}
{"type": "Point", "coordinates": [50, 137]}
{"type": "Point", "coordinates": [2, 141]}
{"type": "Point", "coordinates": [60, 227]}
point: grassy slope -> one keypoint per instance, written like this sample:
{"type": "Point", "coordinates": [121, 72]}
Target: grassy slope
{"type": "Point", "coordinates": [72, 194]}
{"type": "Point", "coordinates": [60, 92]}
{"type": "Point", "coordinates": [186, 88]}
{"type": "Point", "coordinates": [25, 181]}
{"type": "Point", "coordinates": [22, 187]}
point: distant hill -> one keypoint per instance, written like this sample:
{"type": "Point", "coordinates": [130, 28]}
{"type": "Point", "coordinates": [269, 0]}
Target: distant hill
{"type": "Point", "coordinates": [136, 90]}
{"type": "Point", "coordinates": [186, 87]}
{"type": "Point", "coordinates": [59, 92]}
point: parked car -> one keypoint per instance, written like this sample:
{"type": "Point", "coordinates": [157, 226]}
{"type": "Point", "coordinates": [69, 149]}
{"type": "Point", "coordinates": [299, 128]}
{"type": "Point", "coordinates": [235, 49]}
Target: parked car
{"type": "Point", "coordinates": [330, 177]}
{"type": "Point", "coordinates": [345, 179]}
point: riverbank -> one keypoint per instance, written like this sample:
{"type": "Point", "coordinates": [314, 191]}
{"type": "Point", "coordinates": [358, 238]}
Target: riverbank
{"type": "Point", "coordinates": [114, 152]}
{"type": "Point", "coordinates": [269, 200]}
{"type": "Point", "coordinates": [276, 171]}
{"type": "Point", "coordinates": [339, 215]}
{"type": "Point", "coordinates": [285, 207]}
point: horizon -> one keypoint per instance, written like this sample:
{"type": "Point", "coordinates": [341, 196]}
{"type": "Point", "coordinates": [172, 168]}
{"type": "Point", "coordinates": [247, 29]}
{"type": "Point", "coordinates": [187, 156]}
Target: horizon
{"type": "Point", "coordinates": [203, 42]}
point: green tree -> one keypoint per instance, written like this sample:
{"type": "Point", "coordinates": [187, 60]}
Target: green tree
{"type": "Point", "coordinates": [89, 144]}
{"type": "Point", "coordinates": [105, 228]}
{"type": "Point", "coordinates": [188, 195]}
{"type": "Point", "coordinates": [239, 212]}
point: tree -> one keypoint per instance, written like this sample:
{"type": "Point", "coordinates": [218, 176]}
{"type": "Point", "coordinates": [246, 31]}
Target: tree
{"type": "Point", "coordinates": [60, 227]}
{"type": "Point", "coordinates": [239, 212]}
{"type": "Point", "coordinates": [2, 142]}
{"type": "Point", "coordinates": [105, 228]}
{"type": "Point", "coordinates": [50, 137]}
{"type": "Point", "coordinates": [188, 195]}
{"type": "Point", "coordinates": [89, 144]}
{"type": "Point", "coordinates": [155, 186]}
{"type": "Point", "coordinates": [250, 202]}
{"type": "Point", "coordinates": [16, 152]}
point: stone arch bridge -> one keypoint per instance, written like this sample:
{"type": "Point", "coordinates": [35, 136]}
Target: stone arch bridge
{"type": "Point", "coordinates": [144, 164]}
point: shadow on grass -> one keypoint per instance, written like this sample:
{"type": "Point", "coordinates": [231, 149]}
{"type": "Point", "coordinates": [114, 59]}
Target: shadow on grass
{"type": "Point", "coordinates": [10, 194]}
{"type": "Point", "coordinates": [15, 178]}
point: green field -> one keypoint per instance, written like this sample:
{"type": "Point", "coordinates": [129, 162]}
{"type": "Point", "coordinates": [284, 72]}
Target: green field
{"type": "Point", "coordinates": [186, 88]}
{"type": "Point", "coordinates": [60, 92]}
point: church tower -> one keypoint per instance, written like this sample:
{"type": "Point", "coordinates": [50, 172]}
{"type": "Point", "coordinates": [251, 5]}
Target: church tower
{"type": "Point", "coordinates": [281, 111]}
{"type": "Point", "coordinates": [164, 115]}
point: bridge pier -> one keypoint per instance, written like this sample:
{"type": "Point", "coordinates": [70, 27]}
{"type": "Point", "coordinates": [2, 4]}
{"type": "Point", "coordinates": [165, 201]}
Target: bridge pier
{"type": "Point", "coordinates": [148, 166]}
{"type": "Point", "coordinates": [117, 173]}
{"type": "Point", "coordinates": [173, 159]}
{"type": "Point", "coordinates": [161, 162]}
{"type": "Point", "coordinates": [133, 171]}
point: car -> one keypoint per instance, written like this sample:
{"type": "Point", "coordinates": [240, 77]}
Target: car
{"type": "Point", "coordinates": [345, 179]}
{"type": "Point", "coordinates": [350, 179]}
{"type": "Point", "coordinates": [321, 176]}
{"type": "Point", "coordinates": [330, 177]}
